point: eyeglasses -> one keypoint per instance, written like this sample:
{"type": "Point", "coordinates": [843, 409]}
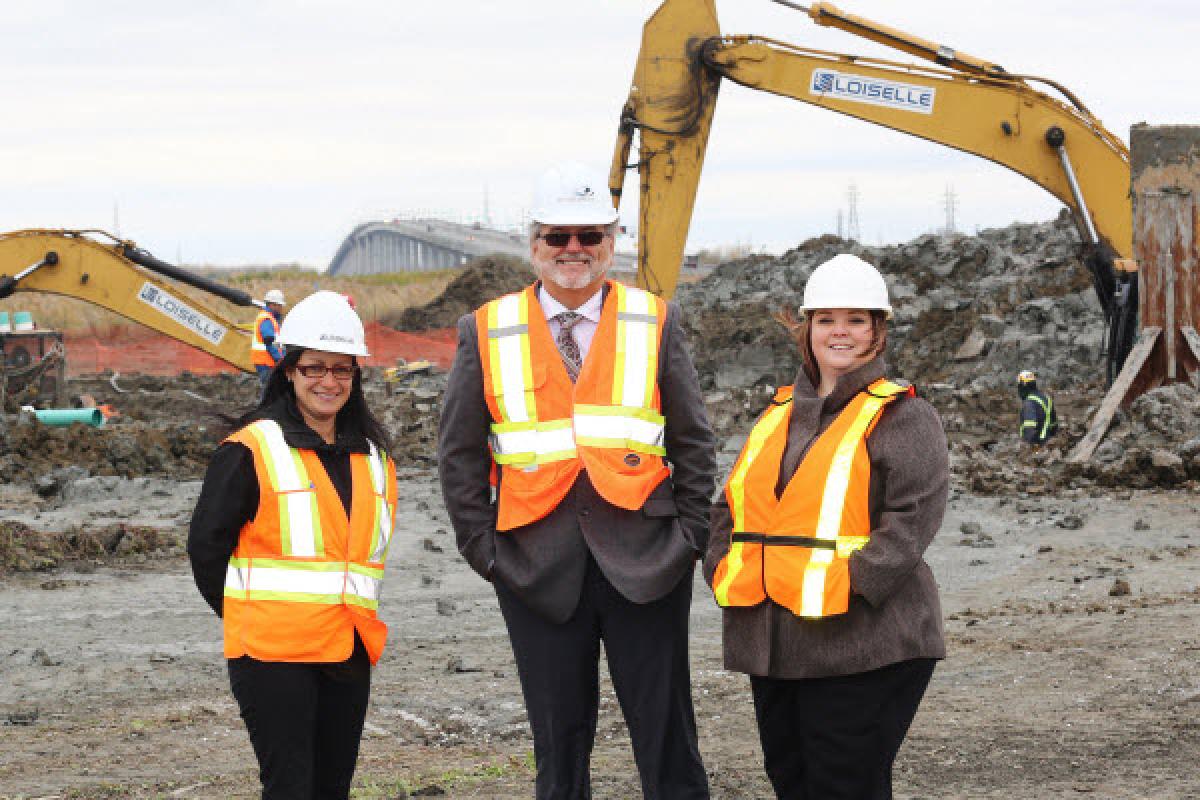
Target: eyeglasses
{"type": "Point", "coordinates": [341, 372]}
{"type": "Point", "coordinates": [586, 238]}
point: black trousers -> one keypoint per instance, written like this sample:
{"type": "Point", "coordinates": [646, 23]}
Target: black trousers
{"type": "Point", "coordinates": [305, 722]}
{"type": "Point", "coordinates": [647, 650]}
{"type": "Point", "coordinates": [836, 738]}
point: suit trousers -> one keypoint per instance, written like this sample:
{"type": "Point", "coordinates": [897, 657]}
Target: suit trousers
{"type": "Point", "coordinates": [647, 650]}
{"type": "Point", "coordinates": [835, 738]}
{"type": "Point", "coordinates": [305, 722]}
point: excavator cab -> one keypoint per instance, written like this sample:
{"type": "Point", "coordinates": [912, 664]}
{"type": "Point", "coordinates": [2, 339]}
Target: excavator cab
{"type": "Point", "coordinates": [34, 363]}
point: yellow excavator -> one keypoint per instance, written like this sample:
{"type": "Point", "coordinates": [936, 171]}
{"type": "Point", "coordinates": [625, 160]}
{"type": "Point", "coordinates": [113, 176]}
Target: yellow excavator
{"type": "Point", "coordinates": [964, 102]}
{"type": "Point", "coordinates": [99, 268]}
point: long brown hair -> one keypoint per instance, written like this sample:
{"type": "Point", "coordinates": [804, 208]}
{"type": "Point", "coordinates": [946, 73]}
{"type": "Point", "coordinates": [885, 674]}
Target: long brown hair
{"type": "Point", "coordinates": [800, 329]}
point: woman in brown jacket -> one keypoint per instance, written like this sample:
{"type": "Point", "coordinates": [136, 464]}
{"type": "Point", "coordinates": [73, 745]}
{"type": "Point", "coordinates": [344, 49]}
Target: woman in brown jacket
{"type": "Point", "coordinates": [816, 551]}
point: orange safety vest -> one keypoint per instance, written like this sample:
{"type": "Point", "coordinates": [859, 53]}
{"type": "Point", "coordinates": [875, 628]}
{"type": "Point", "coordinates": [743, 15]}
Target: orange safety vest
{"type": "Point", "coordinates": [795, 549]}
{"type": "Point", "coordinates": [303, 578]}
{"type": "Point", "coordinates": [545, 429]}
{"type": "Point", "coordinates": [260, 356]}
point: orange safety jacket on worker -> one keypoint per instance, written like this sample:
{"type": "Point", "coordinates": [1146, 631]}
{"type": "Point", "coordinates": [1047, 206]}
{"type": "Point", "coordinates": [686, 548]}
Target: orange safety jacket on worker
{"type": "Point", "coordinates": [795, 549]}
{"type": "Point", "coordinates": [304, 578]}
{"type": "Point", "coordinates": [260, 355]}
{"type": "Point", "coordinates": [545, 429]}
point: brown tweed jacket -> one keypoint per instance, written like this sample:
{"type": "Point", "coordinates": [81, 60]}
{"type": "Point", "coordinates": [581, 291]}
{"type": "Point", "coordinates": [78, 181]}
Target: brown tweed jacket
{"type": "Point", "coordinates": [894, 611]}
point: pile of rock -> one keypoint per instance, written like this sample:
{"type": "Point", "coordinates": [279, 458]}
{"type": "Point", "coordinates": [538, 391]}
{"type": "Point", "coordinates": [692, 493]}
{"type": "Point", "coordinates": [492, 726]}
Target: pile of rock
{"type": "Point", "coordinates": [483, 279]}
{"type": "Point", "coordinates": [970, 312]}
{"type": "Point", "coordinates": [1157, 443]}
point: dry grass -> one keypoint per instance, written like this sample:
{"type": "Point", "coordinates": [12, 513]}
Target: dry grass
{"type": "Point", "coordinates": [375, 295]}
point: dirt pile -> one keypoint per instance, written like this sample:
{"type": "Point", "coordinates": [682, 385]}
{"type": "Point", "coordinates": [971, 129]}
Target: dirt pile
{"type": "Point", "coordinates": [36, 454]}
{"type": "Point", "coordinates": [483, 279]}
{"type": "Point", "coordinates": [969, 310]}
{"type": "Point", "coordinates": [1155, 443]}
{"type": "Point", "coordinates": [168, 427]}
{"type": "Point", "coordinates": [408, 409]}
{"type": "Point", "coordinates": [24, 549]}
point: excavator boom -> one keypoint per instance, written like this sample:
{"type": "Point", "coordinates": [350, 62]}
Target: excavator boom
{"type": "Point", "coordinates": [670, 107]}
{"type": "Point", "coordinates": [1003, 120]}
{"type": "Point", "coordinates": [121, 278]}
{"type": "Point", "coordinates": [969, 104]}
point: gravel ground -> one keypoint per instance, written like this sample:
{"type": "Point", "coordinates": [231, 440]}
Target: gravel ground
{"type": "Point", "coordinates": [1072, 668]}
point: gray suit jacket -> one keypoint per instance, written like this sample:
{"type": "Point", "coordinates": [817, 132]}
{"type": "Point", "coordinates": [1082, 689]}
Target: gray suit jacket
{"type": "Point", "coordinates": [643, 553]}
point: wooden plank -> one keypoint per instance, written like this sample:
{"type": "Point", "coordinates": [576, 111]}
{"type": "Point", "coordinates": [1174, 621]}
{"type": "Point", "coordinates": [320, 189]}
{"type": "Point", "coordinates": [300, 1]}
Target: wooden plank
{"type": "Point", "coordinates": [1116, 395]}
{"type": "Point", "coordinates": [1193, 340]}
{"type": "Point", "coordinates": [1170, 313]}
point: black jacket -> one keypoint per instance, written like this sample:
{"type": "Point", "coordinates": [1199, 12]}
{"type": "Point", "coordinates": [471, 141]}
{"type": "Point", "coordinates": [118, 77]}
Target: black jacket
{"type": "Point", "coordinates": [229, 496]}
{"type": "Point", "coordinates": [1036, 406]}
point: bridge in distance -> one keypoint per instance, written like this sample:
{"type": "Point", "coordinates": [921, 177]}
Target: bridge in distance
{"type": "Point", "coordinates": [420, 245]}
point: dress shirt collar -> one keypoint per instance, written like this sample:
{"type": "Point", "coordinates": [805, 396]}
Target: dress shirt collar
{"type": "Point", "coordinates": [590, 309]}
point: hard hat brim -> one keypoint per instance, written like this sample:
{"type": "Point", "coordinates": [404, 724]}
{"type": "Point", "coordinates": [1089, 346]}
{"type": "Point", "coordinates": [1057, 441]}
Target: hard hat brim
{"type": "Point", "coordinates": [887, 310]}
{"type": "Point", "coordinates": [574, 216]}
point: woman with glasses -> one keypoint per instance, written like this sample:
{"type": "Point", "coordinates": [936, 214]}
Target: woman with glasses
{"type": "Point", "coordinates": [288, 543]}
{"type": "Point", "coordinates": [816, 552]}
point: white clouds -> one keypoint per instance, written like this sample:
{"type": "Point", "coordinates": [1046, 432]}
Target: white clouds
{"type": "Point", "coordinates": [263, 131]}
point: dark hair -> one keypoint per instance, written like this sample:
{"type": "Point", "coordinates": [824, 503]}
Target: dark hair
{"type": "Point", "coordinates": [800, 330]}
{"type": "Point", "coordinates": [354, 416]}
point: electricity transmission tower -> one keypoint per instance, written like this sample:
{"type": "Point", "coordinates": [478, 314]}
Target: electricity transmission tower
{"type": "Point", "coordinates": [852, 229]}
{"type": "Point", "coordinates": [950, 203]}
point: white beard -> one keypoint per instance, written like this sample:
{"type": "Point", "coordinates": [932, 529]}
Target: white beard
{"type": "Point", "coordinates": [569, 279]}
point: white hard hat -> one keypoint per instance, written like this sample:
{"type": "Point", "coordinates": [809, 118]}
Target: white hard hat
{"type": "Point", "coordinates": [1026, 376]}
{"type": "Point", "coordinates": [274, 296]}
{"type": "Point", "coordinates": [846, 281]}
{"type": "Point", "coordinates": [571, 194]}
{"type": "Point", "coordinates": [324, 321]}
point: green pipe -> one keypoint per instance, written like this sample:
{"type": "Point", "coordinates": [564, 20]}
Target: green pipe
{"type": "Point", "coordinates": [61, 417]}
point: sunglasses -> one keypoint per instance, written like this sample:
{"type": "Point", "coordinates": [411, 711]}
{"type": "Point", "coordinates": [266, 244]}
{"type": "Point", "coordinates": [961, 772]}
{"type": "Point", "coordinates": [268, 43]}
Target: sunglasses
{"type": "Point", "coordinates": [587, 238]}
{"type": "Point", "coordinates": [341, 372]}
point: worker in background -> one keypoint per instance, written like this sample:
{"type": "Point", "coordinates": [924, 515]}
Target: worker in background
{"type": "Point", "coordinates": [579, 392]}
{"type": "Point", "coordinates": [817, 546]}
{"type": "Point", "coordinates": [1038, 418]}
{"type": "Point", "coordinates": [288, 543]}
{"type": "Point", "coordinates": [265, 349]}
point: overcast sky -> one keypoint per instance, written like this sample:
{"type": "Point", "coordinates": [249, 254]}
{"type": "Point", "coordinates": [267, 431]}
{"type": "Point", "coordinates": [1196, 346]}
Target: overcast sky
{"type": "Point", "coordinates": [243, 132]}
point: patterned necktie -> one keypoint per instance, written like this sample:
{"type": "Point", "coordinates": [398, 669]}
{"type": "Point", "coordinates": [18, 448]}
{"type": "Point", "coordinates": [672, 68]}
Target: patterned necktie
{"type": "Point", "coordinates": [568, 348]}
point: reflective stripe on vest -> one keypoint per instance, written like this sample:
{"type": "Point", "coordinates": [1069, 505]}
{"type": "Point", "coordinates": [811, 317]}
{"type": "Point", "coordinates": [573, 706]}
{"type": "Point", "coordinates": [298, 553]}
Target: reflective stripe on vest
{"type": "Point", "coordinates": [385, 513]}
{"type": "Point", "coordinates": [803, 580]}
{"type": "Point", "coordinates": [546, 429]}
{"type": "Point", "coordinates": [1046, 405]}
{"type": "Point", "coordinates": [327, 582]}
{"type": "Point", "coordinates": [299, 523]}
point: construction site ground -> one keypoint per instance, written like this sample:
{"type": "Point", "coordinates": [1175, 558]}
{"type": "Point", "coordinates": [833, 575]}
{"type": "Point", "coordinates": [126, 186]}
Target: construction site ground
{"type": "Point", "coordinates": [1056, 683]}
{"type": "Point", "coordinates": [1071, 598]}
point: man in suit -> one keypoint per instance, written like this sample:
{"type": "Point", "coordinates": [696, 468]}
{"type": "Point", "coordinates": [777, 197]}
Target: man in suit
{"type": "Point", "coordinates": [576, 394]}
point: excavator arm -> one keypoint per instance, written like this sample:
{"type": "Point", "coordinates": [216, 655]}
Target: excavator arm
{"type": "Point", "coordinates": [124, 279]}
{"type": "Point", "coordinates": [966, 103]}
